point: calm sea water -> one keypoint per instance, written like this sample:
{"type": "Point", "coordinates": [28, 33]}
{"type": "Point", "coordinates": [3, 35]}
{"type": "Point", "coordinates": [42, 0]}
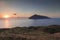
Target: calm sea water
{"type": "Point", "coordinates": [8, 23]}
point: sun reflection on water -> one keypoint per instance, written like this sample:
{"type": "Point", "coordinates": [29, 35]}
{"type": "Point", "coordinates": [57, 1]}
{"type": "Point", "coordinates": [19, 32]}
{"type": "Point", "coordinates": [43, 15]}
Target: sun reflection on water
{"type": "Point", "coordinates": [7, 23]}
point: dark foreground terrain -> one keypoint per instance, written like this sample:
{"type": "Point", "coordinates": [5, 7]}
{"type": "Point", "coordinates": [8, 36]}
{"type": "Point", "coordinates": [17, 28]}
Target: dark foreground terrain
{"type": "Point", "coordinates": [51, 32]}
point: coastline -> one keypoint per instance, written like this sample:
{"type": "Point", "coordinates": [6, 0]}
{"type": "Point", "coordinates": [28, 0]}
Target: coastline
{"type": "Point", "coordinates": [31, 33]}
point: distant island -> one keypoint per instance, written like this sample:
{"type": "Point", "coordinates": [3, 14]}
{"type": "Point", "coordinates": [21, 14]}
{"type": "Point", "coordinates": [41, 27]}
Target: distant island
{"type": "Point", "coordinates": [38, 17]}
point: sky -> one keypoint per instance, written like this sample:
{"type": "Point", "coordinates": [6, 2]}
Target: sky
{"type": "Point", "coordinates": [26, 8]}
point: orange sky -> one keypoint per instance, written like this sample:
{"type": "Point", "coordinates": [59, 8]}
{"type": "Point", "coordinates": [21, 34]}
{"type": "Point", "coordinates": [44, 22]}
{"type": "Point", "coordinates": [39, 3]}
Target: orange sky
{"type": "Point", "coordinates": [17, 15]}
{"type": "Point", "coordinates": [27, 9]}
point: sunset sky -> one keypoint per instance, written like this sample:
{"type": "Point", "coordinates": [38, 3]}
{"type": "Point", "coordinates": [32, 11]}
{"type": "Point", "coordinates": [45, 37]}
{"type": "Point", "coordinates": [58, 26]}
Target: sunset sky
{"type": "Point", "coordinates": [26, 8]}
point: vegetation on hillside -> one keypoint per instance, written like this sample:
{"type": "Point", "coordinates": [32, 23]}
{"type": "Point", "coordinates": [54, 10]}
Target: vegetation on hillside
{"type": "Point", "coordinates": [51, 32]}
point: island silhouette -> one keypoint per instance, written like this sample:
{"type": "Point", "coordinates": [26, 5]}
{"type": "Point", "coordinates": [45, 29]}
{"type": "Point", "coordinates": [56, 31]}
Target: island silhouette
{"type": "Point", "coordinates": [35, 16]}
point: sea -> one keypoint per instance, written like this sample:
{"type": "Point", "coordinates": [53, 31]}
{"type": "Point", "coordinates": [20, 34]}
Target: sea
{"type": "Point", "coordinates": [19, 22]}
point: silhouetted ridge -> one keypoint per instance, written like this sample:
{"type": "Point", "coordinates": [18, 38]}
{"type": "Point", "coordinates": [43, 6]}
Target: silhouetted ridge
{"type": "Point", "coordinates": [39, 17]}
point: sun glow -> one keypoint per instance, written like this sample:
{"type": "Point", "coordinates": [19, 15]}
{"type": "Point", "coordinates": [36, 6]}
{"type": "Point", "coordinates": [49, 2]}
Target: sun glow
{"type": "Point", "coordinates": [6, 16]}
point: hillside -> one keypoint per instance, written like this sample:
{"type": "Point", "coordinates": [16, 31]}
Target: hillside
{"type": "Point", "coordinates": [31, 33]}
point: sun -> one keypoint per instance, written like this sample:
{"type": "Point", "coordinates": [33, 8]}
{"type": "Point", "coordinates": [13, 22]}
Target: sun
{"type": "Point", "coordinates": [6, 16]}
